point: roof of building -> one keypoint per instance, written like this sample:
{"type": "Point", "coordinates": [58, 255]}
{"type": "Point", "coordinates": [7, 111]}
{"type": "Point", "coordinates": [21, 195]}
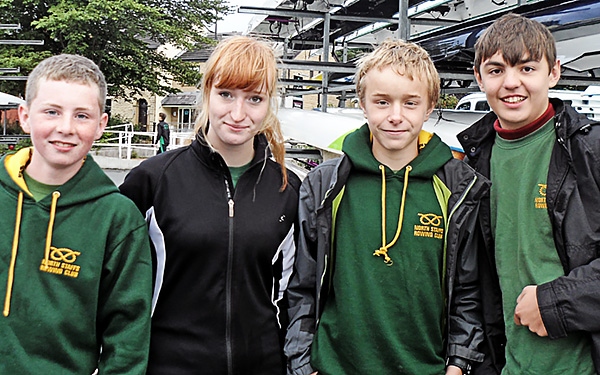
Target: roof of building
{"type": "Point", "coordinates": [200, 54]}
{"type": "Point", "coordinates": [181, 99]}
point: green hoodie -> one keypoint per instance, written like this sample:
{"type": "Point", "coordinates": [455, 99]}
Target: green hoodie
{"type": "Point", "coordinates": [75, 276]}
{"type": "Point", "coordinates": [386, 317]}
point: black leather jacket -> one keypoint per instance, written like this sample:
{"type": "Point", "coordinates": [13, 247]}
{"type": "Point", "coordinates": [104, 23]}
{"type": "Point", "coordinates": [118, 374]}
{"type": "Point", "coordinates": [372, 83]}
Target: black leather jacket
{"type": "Point", "coordinates": [308, 287]}
{"type": "Point", "coordinates": [571, 302]}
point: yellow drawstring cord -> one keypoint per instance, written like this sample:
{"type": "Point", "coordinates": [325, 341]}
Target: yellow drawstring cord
{"type": "Point", "coordinates": [13, 257]}
{"type": "Point", "coordinates": [55, 196]}
{"type": "Point", "coordinates": [15, 246]}
{"type": "Point", "coordinates": [383, 250]}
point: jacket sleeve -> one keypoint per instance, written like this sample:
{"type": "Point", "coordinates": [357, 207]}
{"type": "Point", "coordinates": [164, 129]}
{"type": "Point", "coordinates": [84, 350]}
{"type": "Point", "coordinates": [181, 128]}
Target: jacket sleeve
{"type": "Point", "coordinates": [303, 286]}
{"type": "Point", "coordinates": [465, 326]}
{"type": "Point", "coordinates": [139, 184]}
{"type": "Point", "coordinates": [571, 303]}
{"type": "Point", "coordinates": [123, 321]}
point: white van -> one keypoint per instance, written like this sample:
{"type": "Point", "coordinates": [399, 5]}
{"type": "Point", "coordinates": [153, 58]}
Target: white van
{"type": "Point", "coordinates": [586, 102]}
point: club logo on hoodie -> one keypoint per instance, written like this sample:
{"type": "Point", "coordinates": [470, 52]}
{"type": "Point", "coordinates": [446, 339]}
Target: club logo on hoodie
{"type": "Point", "coordinates": [540, 202]}
{"type": "Point", "coordinates": [430, 226]}
{"type": "Point", "coordinates": [61, 262]}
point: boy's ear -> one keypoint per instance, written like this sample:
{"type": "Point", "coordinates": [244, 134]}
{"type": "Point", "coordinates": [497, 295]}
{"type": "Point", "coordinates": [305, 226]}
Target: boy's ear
{"type": "Point", "coordinates": [362, 107]}
{"type": "Point", "coordinates": [23, 112]}
{"type": "Point", "coordinates": [429, 111]}
{"type": "Point", "coordinates": [102, 125]}
{"type": "Point", "coordinates": [478, 79]}
{"type": "Point", "coordinates": [554, 74]}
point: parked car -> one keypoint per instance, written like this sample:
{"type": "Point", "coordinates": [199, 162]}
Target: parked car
{"type": "Point", "coordinates": [586, 102]}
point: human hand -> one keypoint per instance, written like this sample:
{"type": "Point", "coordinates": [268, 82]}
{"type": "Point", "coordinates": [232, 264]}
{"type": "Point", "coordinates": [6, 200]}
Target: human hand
{"type": "Point", "coordinates": [315, 373]}
{"type": "Point", "coordinates": [527, 311]}
{"type": "Point", "coordinates": [453, 370]}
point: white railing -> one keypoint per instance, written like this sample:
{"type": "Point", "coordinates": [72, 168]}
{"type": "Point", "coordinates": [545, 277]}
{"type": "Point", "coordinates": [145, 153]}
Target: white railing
{"type": "Point", "coordinates": [121, 145]}
{"type": "Point", "coordinates": [179, 139]}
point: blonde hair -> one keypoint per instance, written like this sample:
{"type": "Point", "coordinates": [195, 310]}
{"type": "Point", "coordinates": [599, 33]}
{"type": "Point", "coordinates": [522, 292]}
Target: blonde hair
{"type": "Point", "coordinates": [405, 58]}
{"type": "Point", "coordinates": [68, 68]}
{"type": "Point", "coordinates": [515, 37]}
{"type": "Point", "coordinates": [245, 63]}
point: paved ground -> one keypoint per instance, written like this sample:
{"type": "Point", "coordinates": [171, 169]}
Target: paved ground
{"type": "Point", "coordinates": [117, 175]}
{"type": "Point", "coordinates": [116, 168]}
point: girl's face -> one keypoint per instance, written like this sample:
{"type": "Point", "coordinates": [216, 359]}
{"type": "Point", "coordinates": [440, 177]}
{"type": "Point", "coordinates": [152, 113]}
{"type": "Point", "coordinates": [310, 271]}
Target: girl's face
{"type": "Point", "coordinates": [235, 117]}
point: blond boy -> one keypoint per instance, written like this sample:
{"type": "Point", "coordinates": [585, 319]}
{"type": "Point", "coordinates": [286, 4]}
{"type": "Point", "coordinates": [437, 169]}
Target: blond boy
{"type": "Point", "coordinates": [395, 290]}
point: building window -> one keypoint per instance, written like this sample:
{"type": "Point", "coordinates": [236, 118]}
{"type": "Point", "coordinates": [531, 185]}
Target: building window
{"type": "Point", "coordinates": [185, 119]}
{"type": "Point", "coordinates": [143, 112]}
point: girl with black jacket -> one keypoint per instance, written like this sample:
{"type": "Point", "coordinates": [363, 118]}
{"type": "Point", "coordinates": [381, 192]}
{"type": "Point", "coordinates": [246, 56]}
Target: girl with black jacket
{"type": "Point", "coordinates": [221, 215]}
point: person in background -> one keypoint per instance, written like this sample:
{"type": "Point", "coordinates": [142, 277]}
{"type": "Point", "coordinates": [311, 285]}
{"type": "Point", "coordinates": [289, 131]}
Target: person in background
{"type": "Point", "coordinates": [385, 280]}
{"type": "Point", "coordinates": [221, 214]}
{"type": "Point", "coordinates": [540, 268]}
{"type": "Point", "coordinates": [162, 133]}
{"type": "Point", "coordinates": [75, 264]}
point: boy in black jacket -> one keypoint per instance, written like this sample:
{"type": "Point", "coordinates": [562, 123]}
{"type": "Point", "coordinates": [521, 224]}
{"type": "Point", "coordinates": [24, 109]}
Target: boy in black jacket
{"type": "Point", "coordinates": [162, 133]}
{"type": "Point", "coordinates": [542, 221]}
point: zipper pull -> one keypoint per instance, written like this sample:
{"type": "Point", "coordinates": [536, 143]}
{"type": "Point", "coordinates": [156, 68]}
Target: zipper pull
{"type": "Point", "coordinates": [230, 203]}
{"type": "Point", "coordinates": [229, 198]}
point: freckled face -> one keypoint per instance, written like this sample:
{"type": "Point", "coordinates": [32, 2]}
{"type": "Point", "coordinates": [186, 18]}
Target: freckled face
{"type": "Point", "coordinates": [396, 108]}
{"type": "Point", "coordinates": [64, 119]}
{"type": "Point", "coordinates": [235, 117]}
{"type": "Point", "coordinates": [517, 94]}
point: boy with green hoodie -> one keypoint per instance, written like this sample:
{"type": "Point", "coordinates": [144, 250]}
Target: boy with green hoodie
{"type": "Point", "coordinates": [75, 262]}
{"type": "Point", "coordinates": [385, 279]}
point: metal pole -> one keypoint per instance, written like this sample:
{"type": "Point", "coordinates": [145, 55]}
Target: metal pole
{"type": "Point", "coordinates": [344, 59]}
{"type": "Point", "coordinates": [325, 82]}
{"type": "Point", "coordinates": [403, 22]}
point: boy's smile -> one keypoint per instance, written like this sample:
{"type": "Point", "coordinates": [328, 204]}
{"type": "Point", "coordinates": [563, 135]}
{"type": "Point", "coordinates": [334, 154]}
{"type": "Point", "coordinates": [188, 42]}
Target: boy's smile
{"type": "Point", "coordinates": [396, 108]}
{"type": "Point", "coordinates": [517, 94]}
{"type": "Point", "coordinates": [64, 119]}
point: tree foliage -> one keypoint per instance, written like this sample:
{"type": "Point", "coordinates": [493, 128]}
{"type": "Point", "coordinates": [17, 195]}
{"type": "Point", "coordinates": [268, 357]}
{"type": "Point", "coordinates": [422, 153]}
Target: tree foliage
{"type": "Point", "coordinates": [121, 36]}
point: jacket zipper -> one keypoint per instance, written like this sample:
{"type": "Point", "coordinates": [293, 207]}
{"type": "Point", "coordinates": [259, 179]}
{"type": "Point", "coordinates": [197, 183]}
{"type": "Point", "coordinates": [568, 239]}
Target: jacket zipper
{"type": "Point", "coordinates": [228, 343]}
{"type": "Point", "coordinates": [561, 180]}
{"type": "Point", "coordinates": [459, 203]}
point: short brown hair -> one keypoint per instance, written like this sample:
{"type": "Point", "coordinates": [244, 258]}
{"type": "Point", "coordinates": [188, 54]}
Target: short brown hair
{"type": "Point", "coordinates": [515, 37]}
{"type": "Point", "coordinates": [69, 68]}
{"type": "Point", "coordinates": [405, 58]}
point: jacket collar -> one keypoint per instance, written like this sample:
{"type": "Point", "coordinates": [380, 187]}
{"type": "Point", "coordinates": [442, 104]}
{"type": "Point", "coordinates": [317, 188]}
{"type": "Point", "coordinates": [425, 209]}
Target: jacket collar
{"type": "Point", "coordinates": [214, 160]}
{"type": "Point", "coordinates": [481, 133]}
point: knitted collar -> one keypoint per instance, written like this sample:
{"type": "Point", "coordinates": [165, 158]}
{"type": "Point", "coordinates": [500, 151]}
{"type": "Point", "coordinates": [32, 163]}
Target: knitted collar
{"type": "Point", "coordinates": [527, 129]}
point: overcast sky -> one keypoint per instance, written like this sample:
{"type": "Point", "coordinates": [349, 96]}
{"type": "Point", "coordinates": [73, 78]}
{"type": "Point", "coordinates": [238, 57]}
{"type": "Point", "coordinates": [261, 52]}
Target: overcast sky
{"type": "Point", "coordinates": [239, 21]}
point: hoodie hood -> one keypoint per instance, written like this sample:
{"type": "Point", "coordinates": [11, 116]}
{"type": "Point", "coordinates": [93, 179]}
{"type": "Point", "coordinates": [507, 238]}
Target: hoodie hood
{"type": "Point", "coordinates": [433, 153]}
{"type": "Point", "coordinates": [79, 189]}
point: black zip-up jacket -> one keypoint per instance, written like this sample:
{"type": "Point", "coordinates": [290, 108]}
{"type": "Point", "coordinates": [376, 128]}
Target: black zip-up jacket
{"type": "Point", "coordinates": [310, 283]}
{"type": "Point", "coordinates": [162, 130]}
{"type": "Point", "coordinates": [222, 257]}
{"type": "Point", "coordinates": [572, 302]}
